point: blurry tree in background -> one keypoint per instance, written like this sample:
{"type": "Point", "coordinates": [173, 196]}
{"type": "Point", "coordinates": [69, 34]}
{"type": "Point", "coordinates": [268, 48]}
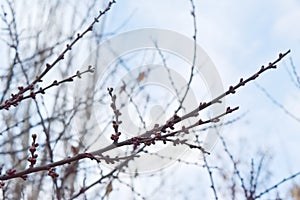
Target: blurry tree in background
{"type": "Point", "coordinates": [47, 150]}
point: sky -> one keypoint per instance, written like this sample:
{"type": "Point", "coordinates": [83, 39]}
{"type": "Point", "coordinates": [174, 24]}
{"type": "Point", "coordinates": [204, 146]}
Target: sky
{"type": "Point", "coordinates": [239, 37]}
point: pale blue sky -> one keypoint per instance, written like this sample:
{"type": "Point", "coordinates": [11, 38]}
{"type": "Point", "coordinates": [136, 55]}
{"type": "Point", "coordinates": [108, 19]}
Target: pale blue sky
{"type": "Point", "coordinates": [240, 36]}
